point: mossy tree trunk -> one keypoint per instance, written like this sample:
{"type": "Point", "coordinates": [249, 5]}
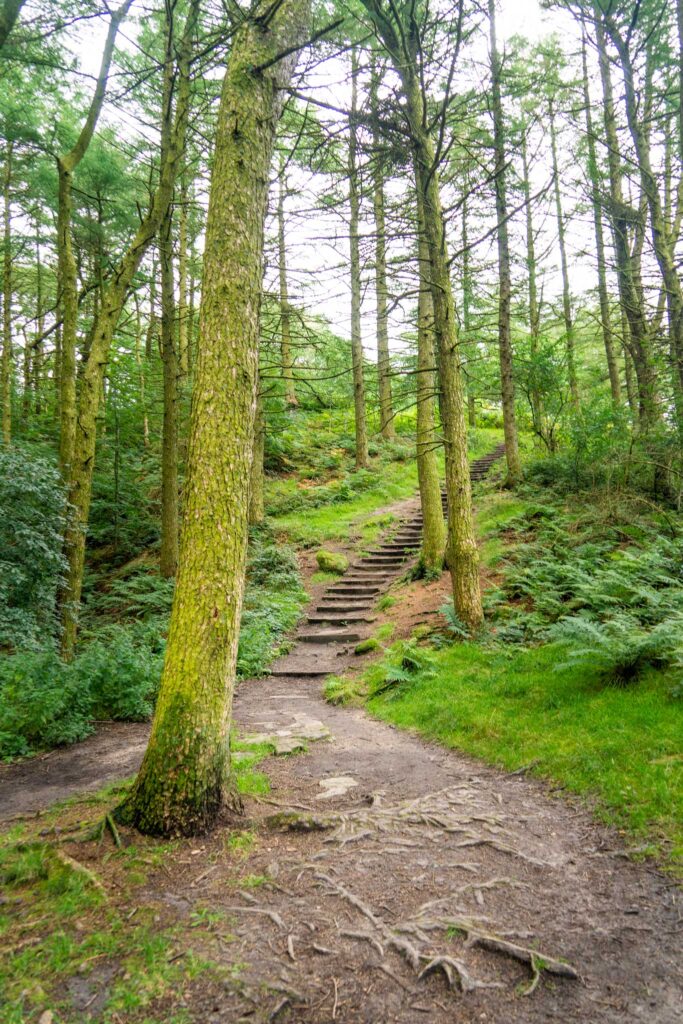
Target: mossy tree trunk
{"type": "Point", "coordinates": [461, 548]}
{"type": "Point", "coordinates": [67, 270]}
{"type": "Point", "coordinates": [467, 308]}
{"type": "Point", "coordinates": [535, 395]}
{"type": "Point", "coordinates": [507, 381]}
{"type": "Point", "coordinates": [596, 203]}
{"type": "Point", "coordinates": [569, 332]}
{"type": "Point", "coordinates": [183, 780]}
{"type": "Point", "coordinates": [285, 311]}
{"type": "Point", "coordinates": [637, 339]}
{"type": "Point", "coordinates": [6, 369]}
{"type": "Point", "coordinates": [168, 556]}
{"type": "Point", "coordinates": [386, 410]}
{"type": "Point", "coordinates": [361, 429]}
{"type": "Point", "coordinates": [9, 12]}
{"type": "Point", "coordinates": [433, 523]}
{"type": "Point", "coordinates": [92, 377]}
{"type": "Point", "coordinates": [183, 317]}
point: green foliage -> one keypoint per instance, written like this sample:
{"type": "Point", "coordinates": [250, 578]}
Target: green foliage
{"type": "Point", "coordinates": [403, 663]}
{"type": "Point", "coordinates": [32, 505]}
{"type": "Point", "coordinates": [619, 649]}
{"type": "Point", "coordinates": [46, 703]}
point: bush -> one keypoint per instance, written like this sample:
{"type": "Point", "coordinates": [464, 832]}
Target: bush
{"type": "Point", "coordinates": [32, 521]}
{"type": "Point", "coordinates": [46, 703]}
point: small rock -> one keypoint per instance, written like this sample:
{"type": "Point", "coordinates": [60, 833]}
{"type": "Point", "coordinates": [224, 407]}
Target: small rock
{"type": "Point", "coordinates": [336, 786]}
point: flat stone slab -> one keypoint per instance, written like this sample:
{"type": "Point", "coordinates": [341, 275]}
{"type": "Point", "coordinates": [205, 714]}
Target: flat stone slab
{"type": "Point", "coordinates": [336, 786]}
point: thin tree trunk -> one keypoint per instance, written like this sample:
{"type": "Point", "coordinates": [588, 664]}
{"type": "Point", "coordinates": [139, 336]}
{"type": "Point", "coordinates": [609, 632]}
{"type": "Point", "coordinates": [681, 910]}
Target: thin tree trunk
{"type": "Point", "coordinates": [356, 337]}
{"type": "Point", "coordinates": [40, 327]}
{"type": "Point", "coordinates": [630, 290]}
{"type": "Point", "coordinates": [116, 292]}
{"type": "Point", "coordinates": [569, 339]}
{"type": "Point", "coordinates": [507, 383]}
{"type": "Point", "coordinates": [67, 272]}
{"type": "Point", "coordinates": [386, 410]}
{"type": "Point", "coordinates": [433, 524]}
{"type": "Point", "coordinates": [7, 366]}
{"type": "Point", "coordinates": [596, 202]}
{"type": "Point", "coordinates": [183, 353]}
{"type": "Point", "coordinates": [467, 306]}
{"type": "Point", "coordinates": [183, 780]}
{"type": "Point", "coordinates": [285, 312]}
{"type": "Point", "coordinates": [535, 396]}
{"type": "Point", "coordinates": [9, 12]}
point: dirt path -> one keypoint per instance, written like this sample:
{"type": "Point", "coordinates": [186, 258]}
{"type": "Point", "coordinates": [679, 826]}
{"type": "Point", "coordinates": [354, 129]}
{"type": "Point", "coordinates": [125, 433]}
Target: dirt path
{"type": "Point", "coordinates": [426, 863]}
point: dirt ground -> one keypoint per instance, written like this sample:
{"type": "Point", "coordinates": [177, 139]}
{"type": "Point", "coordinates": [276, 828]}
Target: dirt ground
{"type": "Point", "coordinates": [413, 883]}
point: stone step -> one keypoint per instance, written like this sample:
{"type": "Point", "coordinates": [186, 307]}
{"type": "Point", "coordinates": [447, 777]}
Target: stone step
{"type": "Point", "coordinates": [353, 590]}
{"type": "Point", "coordinates": [329, 636]}
{"type": "Point", "coordinates": [314, 660]}
{"type": "Point", "coordinates": [337, 616]}
{"type": "Point", "coordinates": [339, 606]}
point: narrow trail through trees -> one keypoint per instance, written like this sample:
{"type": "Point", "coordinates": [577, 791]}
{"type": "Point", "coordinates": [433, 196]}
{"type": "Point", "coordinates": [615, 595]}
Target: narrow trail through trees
{"type": "Point", "coordinates": [406, 882]}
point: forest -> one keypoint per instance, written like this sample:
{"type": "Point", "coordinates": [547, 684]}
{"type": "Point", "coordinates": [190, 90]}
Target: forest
{"type": "Point", "coordinates": [341, 511]}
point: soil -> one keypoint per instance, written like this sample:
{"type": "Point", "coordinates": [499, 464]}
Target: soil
{"type": "Point", "coordinates": [403, 866]}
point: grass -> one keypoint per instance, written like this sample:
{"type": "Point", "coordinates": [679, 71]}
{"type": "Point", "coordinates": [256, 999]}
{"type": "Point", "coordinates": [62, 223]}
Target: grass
{"type": "Point", "coordinates": [393, 481]}
{"type": "Point", "coordinates": [619, 746]}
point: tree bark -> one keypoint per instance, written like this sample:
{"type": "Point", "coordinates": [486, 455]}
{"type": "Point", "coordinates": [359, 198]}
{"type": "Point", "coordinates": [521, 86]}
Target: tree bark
{"type": "Point", "coordinates": [183, 780]}
{"type": "Point", "coordinates": [596, 203]}
{"type": "Point", "coordinates": [115, 294]}
{"type": "Point", "coordinates": [637, 338]}
{"type": "Point", "coordinates": [386, 410]}
{"type": "Point", "coordinates": [535, 396]}
{"type": "Point", "coordinates": [67, 271]}
{"type": "Point", "coordinates": [285, 311]}
{"type": "Point", "coordinates": [507, 383]}
{"type": "Point", "coordinates": [168, 557]}
{"type": "Point", "coordinates": [433, 524]}
{"type": "Point", "coordinates": [461, 549]}
{"type": "Point", "coordinates": [361, 429]}
{"type": "Point", "coordinates": [466, 307]}
{"type": "Point", "coordinates": [183, 334]}
{"type": "Point", "coordinates": [7, 366]}
{"type": "Point", "coordinates": [569, 339]}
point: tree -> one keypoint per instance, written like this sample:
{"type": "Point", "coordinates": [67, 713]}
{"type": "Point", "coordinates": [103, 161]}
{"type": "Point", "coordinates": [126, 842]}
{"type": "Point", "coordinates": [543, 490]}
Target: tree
{"type": "Point", "coordinates": [183, 780]}
{"type": "Point", "coordinates": [400, 34]}
{"type": "Point", "coordinates": [507, 383]}
{"type": "Point", "coordinates": [354, 258]}
{"type": "Point", "coordinates": [386, 412]}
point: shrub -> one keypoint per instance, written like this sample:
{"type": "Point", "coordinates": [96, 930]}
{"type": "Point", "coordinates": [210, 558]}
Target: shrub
{"type": "Point", "coordinates": [404, 662]}
{"type": "Point", "coordinates": [32, 504]}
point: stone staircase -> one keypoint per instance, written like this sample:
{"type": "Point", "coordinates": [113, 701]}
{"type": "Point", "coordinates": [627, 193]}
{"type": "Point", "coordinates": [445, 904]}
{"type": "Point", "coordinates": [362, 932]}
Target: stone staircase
{"type": "Point", "coordinates": [345, 611]}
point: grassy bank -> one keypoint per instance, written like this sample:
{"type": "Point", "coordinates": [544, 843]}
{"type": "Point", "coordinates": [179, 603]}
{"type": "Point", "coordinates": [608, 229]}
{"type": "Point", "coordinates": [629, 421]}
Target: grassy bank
{"type": "Point", "coordinates": [577, 675]}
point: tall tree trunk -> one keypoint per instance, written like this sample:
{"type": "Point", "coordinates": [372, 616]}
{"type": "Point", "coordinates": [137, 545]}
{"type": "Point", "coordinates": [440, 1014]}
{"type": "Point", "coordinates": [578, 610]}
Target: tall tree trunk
{"type": "Point", "coordinates": [662, 241]}
{"type": "Point", "coordinates": [637, 338]}
{"type": "Point", "coordinates": [467, 306]}
{"type": "Point", "coordinates": [183, 352]}
{"type": "Point", "coordinates": [433, 524]}
{"type": "Point", "coordinates": [7, 366]}
{"type": "Point", "coordinates": [386, 410]}
{"type": "Point", "coordinates": [256, 510]}
{"type": "Point", "coordinates": [67, 271]}
{"type": "Point", "coordinates": [285, 311]}
{"type": "Point", "coordinates": [356, 337]}
{"type": "Point", "coordinates": [569, 338]}
{"type": "Point", "coordinates": [507, 383]}
{"type": "Point", "coordinates": [596, 203]}
{"type": "Point", "coordinates": [461, 547]}
{"type": "Point", "coordinates": [40, 327]}
{"type": "Point", "coordinates": [168, 558]}
{"type": "Point", "coordinates": [183, 780]}
{"type": "Point", "coordinates": [535, 396]}
{"type": "Point", "coordinates": [115, 294]}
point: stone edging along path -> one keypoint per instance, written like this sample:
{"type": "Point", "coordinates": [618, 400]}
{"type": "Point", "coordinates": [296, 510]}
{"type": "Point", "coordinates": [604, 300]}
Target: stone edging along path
{"type": "Point", "coordinates": [345, 611]}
